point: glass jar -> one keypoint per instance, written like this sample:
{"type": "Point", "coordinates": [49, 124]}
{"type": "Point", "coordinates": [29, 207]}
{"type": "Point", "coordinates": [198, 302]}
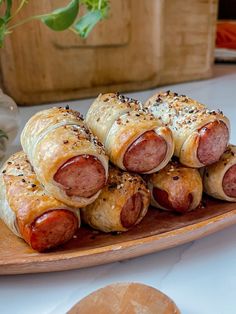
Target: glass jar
{"type": "Point", "coordinates": [9, 122]}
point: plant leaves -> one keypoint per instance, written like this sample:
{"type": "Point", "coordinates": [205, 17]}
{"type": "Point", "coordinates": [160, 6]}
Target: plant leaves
{"type": "Point", "coordinates": [8, 10]}
{"type": "Point", "coordinates": [62, 18]}
{"type": "Point", "coordinates": [93, 5]}
{"type": "Point", "coordinates": [2, 35]}
{"type": "Point", "coordinates": [3, 134]}
{"type": "Point", "coordinates": [87, 22]}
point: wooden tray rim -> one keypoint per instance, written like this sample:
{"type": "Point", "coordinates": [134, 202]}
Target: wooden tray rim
{"type": "Point", "coordinates": [134, 248]}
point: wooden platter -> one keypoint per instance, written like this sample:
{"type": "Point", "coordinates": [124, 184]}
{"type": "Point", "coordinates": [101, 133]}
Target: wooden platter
{"type": "Point", "coordinates": [159, 230]}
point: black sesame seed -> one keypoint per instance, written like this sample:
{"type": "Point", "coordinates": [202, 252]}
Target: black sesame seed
{"type": "Point", "coordinates": [112, 186]}
{"type": "Point", "coordinates": [175, 178]}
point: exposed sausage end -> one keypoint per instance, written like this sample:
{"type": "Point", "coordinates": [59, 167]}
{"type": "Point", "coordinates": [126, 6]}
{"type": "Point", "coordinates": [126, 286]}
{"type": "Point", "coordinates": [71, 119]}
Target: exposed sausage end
{"type": "Point", "coordinates": [145, 153]}
{"type": "Point", "coordinates": [229, 182]}
{"type": "Point", "coordinates": [81, 176]}
{"type": "Point", "coordinates": [131, 210]}
{"type": "Point", "coordinates": [213, 141]}
{"type": "Point", "coordinates": [180, 204]}
{"type": "Point", "coordinates": [50, 230]}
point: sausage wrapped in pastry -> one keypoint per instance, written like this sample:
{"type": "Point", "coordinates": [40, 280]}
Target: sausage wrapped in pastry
{"type": "Point", "coordinates": [25, 207]}
{"type": "Point", "coordinates": [176, 188]}
{"type": "Point", "coordinates": [219, 179]}
{"type": "Point", "coordinates": [122, 203]}
{"type": "Point", "coordinates": [134, 140]}
{"type": "Point", "coordinates": [67, 159]}
{"type": "Point", "coordinates": [200, 135]}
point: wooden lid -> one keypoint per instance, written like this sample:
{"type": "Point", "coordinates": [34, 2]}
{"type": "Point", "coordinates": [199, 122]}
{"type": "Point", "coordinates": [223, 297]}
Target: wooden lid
{"type": "Point", "coordinates": [126, 298]}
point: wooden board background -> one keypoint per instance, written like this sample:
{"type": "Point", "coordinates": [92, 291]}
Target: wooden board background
{"type": "Point", "coordinates": [159, 230]}
{"type": "Point", "coordinates": [142, 44]}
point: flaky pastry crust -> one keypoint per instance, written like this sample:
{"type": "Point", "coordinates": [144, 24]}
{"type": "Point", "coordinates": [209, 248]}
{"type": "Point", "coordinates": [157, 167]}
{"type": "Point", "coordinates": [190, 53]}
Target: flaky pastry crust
{"type": "Point", "coordinates": [105, 213]}
{"type": "Point", "coordinates": [185, 117]}
{"type": "Point", "coordinates": [213, 175]}
{"type": "Point", "coordinates": [52, 137]}
{"type": "Point", "coordinates": [178, 181]}
{"type": "Point", "coordinates": [118, 121]}
{"type": "Point", "coordinates": [22, 197]}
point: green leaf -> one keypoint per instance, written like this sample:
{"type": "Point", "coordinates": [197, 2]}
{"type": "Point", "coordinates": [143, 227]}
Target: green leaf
{"type": "Point", "coordinates": [87, 22]}
{"type": "Point", "coordinates": [3, 134]}
{"type": "Point", "coordinates": [2, 36]}
{"type": "Point", "coordinates": [62, 18]}
{"type": "Point", "coordinates": [93, 5]}
{"type": "Point", "coordinates": [8, 10]}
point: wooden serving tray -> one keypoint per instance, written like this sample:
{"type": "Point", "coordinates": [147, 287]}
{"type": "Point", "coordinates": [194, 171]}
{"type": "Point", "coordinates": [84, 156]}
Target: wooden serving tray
{"type": "Point", "coordinates": [159, 230]}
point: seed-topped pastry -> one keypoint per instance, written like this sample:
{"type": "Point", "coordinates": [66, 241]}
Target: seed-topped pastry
{"type": "Point", "coordinates": [133, 138]}
{"type": "Point", "coordinates": [219, 179]}
{"type": "Point", "coordinates": [176, 188]}
{"type": "Point", "coordinates": [200, 135]}
{"type": "Point", "coordinates": [29, 211]}
{"type": "Point", "coordinates": [67, 158]}
{"type": "Point", "coordinates": [122, 203]}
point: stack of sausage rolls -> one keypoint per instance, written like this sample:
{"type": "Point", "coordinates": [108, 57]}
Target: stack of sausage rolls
{"type": "Point", "coordinates": [164, 152]}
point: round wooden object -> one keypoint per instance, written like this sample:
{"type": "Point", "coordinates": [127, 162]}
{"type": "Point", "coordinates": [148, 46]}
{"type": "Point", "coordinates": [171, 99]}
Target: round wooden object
{"type": "Point", "coordinates": [126, 298]}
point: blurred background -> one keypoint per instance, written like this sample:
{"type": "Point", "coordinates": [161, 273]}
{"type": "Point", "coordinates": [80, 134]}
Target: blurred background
{"type": "Point", "coordinates": [139, 45]}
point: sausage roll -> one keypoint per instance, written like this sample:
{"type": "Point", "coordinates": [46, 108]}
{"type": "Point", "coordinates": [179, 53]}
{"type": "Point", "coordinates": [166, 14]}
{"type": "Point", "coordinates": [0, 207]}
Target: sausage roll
{"type": "Point", "coordinates": [134, 140]}
{"type": "Point", "coordinates": [67, 159]}
{"type": "Point", "coordinates": [219, 179]}
{"type": "Point", "coordinates": [122, 203]}
{"type": "Point", "coordinates": [176, 188]}
{"type": "Point", "coordinates": [41, 220]}
{"type": "Point", "coordinates": [200, 135]}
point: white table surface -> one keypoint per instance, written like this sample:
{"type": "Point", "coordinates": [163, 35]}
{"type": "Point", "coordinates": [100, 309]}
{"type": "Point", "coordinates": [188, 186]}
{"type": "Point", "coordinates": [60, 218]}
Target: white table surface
{"type": "Point", "coordinates": [199, 276]}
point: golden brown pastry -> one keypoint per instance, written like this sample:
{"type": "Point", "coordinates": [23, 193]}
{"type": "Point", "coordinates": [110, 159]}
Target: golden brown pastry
{"type": "Point", "coordinates": [26, 208]}
{"type": "Point", "coordinates": [134, 140]}
{"type": "Point", "coordinates": [219, 179]}
{"type": "Point", "coordinates": [67, 159]}
{"type": "Point", "coordinates": [176, 188]}
{"type": "Point", "coordinates": [200, 135]}
{"type": "Point", "coordinates": [122, 203]}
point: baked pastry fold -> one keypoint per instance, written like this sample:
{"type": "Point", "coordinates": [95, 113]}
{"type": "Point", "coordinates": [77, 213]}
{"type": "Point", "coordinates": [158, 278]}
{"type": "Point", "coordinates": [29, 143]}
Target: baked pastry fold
{"type": "Point", "coordinates": [23, 200]}
{"type": "Point", "coordinates": [53, 140]}
{"type": "Point", "coordinates": [176, 188]}
{"type": "Point", "coordinates": [200, 135]}
{"type": "Point", "coordinates": [122, 203]}
{"type": "Point", "coordinates": [119, 122]}
{"type": "Point", "coordinates": [219, 179]}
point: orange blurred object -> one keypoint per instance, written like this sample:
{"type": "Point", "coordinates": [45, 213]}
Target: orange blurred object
{"type": "Point", "coordinates": [226, 35]}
